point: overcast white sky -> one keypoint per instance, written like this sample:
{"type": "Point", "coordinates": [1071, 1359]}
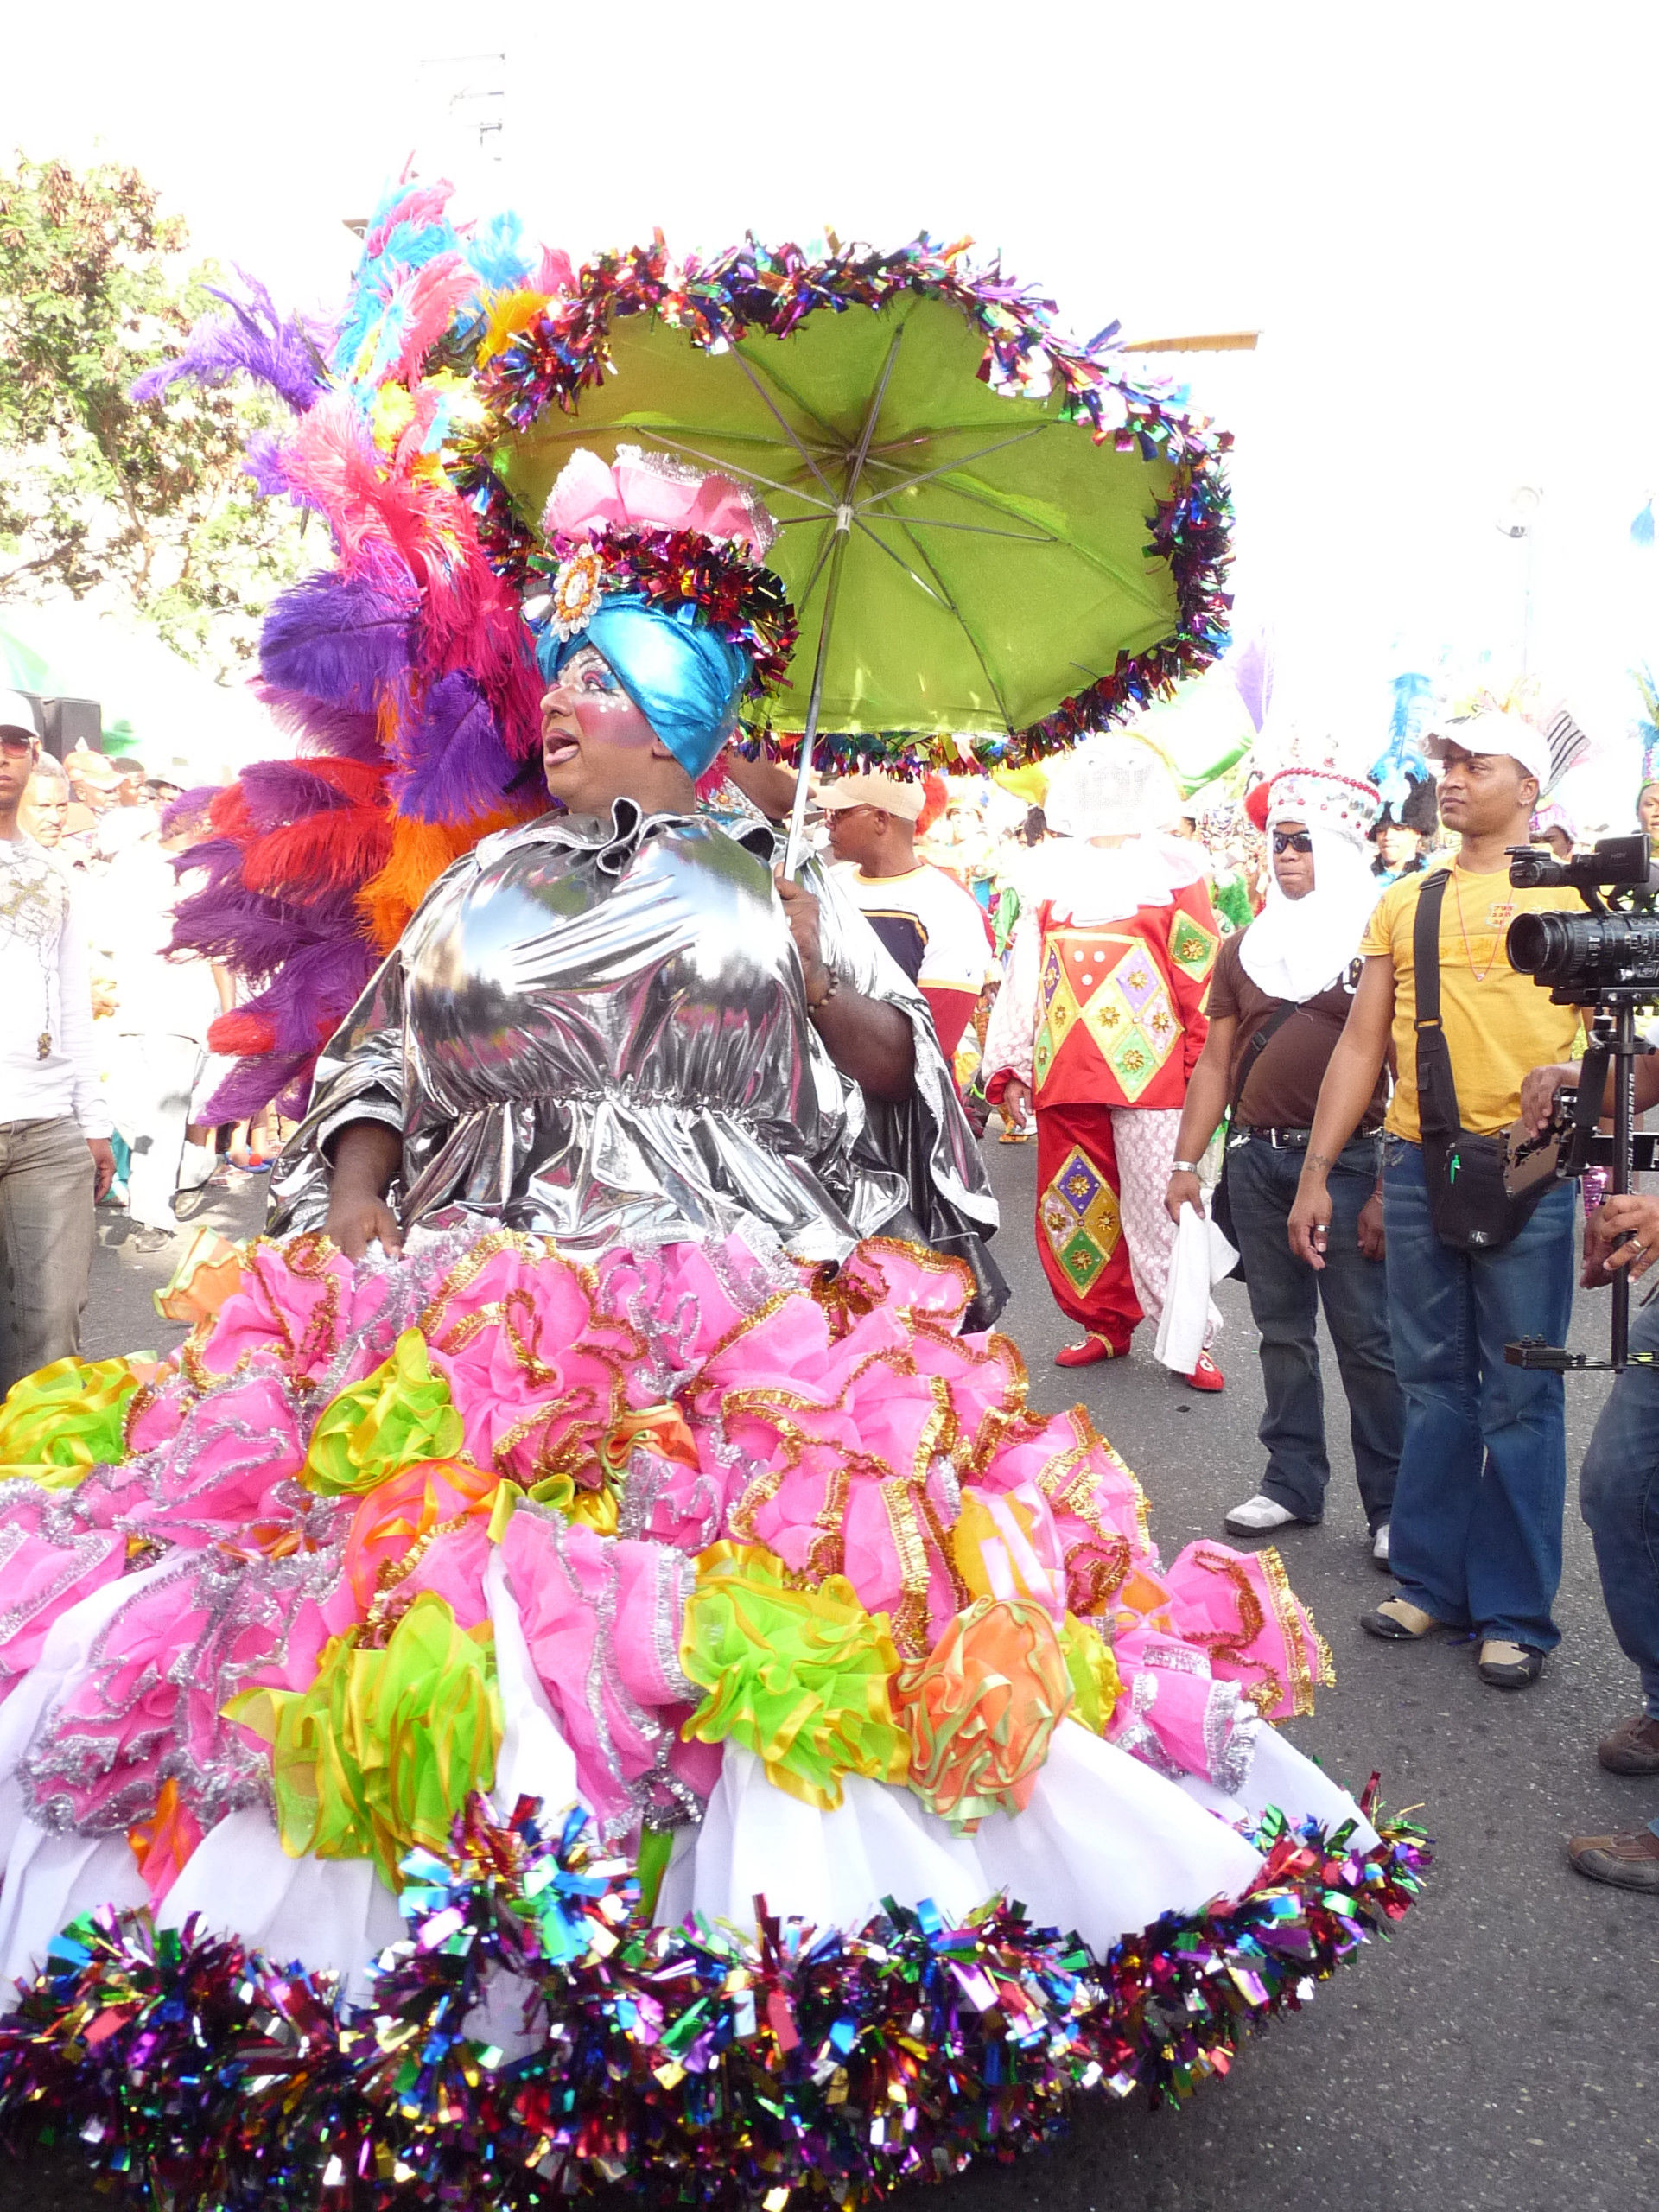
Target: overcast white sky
{"type": "Point", "coordinates": [1440, 217]}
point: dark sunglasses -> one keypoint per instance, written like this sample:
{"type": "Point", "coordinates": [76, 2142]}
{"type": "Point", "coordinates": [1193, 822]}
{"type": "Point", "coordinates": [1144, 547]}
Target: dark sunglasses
{"type": "Point", "coordinates": [14, 742]}
{"type": "Point", "coordinates": [1292, 840]}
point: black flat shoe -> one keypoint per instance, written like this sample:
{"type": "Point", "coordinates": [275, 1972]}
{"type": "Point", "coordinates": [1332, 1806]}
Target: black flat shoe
{"type": "Point", "coordinates": [1508, 1666]}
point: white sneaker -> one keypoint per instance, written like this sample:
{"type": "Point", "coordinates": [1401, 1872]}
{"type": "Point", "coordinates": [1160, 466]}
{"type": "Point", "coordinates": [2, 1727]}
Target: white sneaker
{"type": "Point", "coordinates": [196, 1167]}
{"type": "Point", "coordinates": [1380, 1547]}
{"type": "Point", "coordinates": [1257, 1515]}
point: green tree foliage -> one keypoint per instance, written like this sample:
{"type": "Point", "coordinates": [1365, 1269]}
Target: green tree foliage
{"type": "Point", "coordinates": [95, 489]}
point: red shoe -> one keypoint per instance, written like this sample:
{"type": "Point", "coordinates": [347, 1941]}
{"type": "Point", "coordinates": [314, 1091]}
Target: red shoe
{"type": "Point", "coordinates": [1092, 1348]}
{"type": "Point", "coordinates": [1206, 1376]}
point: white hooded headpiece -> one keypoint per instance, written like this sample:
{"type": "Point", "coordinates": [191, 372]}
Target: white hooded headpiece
{"type": "Point", "coordinates": [1296, 948]}
{"type": "Point", "coordinates": [1115, 785]}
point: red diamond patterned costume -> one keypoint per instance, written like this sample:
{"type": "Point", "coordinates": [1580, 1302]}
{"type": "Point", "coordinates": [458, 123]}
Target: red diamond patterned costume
{"type": "Point", "coordinates": [1102, 1016]}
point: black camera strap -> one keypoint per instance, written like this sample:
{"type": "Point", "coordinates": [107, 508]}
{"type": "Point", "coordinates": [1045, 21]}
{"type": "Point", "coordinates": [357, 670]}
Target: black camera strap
{"type": "Point", "coordinates": [1437, 1089]}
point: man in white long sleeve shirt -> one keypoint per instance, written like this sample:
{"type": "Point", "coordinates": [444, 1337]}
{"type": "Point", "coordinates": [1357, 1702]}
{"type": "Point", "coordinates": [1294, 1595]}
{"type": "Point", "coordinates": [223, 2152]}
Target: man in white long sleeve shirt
{"type": "Point", "coordinates": [56, 1161]}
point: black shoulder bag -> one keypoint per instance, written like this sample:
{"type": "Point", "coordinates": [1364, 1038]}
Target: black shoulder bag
{"type": "Point", "coordinates": [1471, 1209]}
{"type": "Point", "coordinates": [1221, 1206]}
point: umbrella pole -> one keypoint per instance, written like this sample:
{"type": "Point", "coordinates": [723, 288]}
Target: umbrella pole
{"type": "Point", "coordinates": [794, 852]}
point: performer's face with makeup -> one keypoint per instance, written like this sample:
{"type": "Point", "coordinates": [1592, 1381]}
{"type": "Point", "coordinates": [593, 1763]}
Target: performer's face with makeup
{"type": "Point", "coordinates": [596, 745]}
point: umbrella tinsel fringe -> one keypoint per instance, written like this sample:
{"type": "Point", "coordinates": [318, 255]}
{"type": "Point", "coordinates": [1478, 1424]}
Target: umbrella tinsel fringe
{"type": "Point", "coordinates": [695, 2063]}
{"type": "Point", "coordinates": [754, 289]}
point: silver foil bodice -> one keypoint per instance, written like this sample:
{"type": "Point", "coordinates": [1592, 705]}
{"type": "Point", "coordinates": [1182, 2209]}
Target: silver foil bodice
{"type": "Point", "coordinates": [600, 1030]}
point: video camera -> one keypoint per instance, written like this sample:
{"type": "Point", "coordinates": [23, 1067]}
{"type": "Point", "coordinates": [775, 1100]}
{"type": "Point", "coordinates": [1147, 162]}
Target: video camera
{"type": "Point", "coordinates": [1585, 959]}
{"type": "Point", "coordinates": [1608, 959]}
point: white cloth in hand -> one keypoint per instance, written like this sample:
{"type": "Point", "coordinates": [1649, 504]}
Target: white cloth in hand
{"type": "Point", "coordinates": [1202, 1257]}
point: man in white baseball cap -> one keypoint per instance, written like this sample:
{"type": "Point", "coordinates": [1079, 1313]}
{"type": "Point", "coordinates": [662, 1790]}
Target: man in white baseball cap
{"type": "Point", "coordinates": [1475, 1540]}
{"type": "Point", "coordinates": [938, 933]}
{"type": "Point", "coordinates": [55, 1160]}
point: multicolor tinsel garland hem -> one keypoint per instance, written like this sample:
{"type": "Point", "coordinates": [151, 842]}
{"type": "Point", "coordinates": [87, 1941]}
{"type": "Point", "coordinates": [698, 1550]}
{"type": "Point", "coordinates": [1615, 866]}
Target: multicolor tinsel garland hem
{"type": "Point", "coordinates": [723, 2068]}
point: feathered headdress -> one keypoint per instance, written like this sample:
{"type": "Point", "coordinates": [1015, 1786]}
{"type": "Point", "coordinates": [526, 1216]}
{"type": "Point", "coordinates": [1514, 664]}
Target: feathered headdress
{"type": "Point", "coordinates": [1568, 745]}
{"type": "Point", "coordinates": [404, 672]}
{"type": "Point", "coordinates": [1646, 730]}
{"type": "Point", "coordinates": [1402, 768]}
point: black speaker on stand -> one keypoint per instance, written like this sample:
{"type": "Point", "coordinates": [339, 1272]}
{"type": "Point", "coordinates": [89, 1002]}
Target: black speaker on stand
{"type": "Point", "coordinates": [70, 722]}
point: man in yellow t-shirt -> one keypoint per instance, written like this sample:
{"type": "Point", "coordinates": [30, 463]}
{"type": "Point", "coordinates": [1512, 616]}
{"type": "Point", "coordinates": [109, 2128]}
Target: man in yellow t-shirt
{"type": "Point", "coordinates": [1494, 1019]}
{"type": "Point", "coordinates": [1476, 1535]}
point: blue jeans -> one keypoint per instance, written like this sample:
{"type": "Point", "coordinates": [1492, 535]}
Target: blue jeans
{"type": "Point", "coordinates": [1285, 1298]}
{"type": "Point", "coordinates": [1618, 1495]}
{"type": "Point", "coordinates": [1477, 1531]}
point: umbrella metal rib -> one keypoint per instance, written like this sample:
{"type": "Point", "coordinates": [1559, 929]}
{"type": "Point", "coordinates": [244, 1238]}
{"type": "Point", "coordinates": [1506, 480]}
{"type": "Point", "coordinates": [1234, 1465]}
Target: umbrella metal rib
{"type": "Point", "coordinates": [749, 475]}
{"type": "Point", "coordinates": [844, 516]}
{"type": "Point", "coordinates": [944, 592]}
{"type": "Point", "coordinates": [786, 426]}
{"type": "Point", "coordinates": [963, 460]}
{"type": "Point", "coordinates": [920, 583]}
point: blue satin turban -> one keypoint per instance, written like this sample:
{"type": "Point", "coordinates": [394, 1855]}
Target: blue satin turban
{"type": "Point", "coordinates": [684, 676]}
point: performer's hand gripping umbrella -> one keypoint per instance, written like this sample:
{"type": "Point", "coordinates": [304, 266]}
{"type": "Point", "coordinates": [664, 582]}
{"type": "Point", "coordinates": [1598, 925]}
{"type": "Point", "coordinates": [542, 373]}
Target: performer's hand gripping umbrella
{"type": "Point", "coordinates": [996, 541]}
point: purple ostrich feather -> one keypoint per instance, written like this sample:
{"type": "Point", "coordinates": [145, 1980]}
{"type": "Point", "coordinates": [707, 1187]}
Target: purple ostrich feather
{"type": "Point", "coordinates": [258, 934]}
{"type": "Point", "coordinates": [251, 1085]}
{"type": "Point", "coordinates": [313, 991]}
{"type": "Point", "coordinates": [262, 459]}
{"type": "Point", "coordinates": [189, 807]}
{"type": "Point", "coordinates": [276, 792]}
{"type": "Point", "coordinates": [340, 640]}
{"type": "Point", "coordinates": [253, 340]}
{"type": "Point", "coordinates": [318, 728]}
{"type": "Point", "coordinates": [452, 763]}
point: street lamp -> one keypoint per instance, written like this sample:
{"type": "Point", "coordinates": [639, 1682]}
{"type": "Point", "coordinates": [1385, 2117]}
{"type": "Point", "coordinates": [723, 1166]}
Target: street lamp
{"type": "Point", "coordinates": [1520, 519]}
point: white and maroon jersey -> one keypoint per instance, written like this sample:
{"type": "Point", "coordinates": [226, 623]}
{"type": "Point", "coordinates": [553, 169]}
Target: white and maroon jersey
{"type": "Point", "coordinates": [938, 933]}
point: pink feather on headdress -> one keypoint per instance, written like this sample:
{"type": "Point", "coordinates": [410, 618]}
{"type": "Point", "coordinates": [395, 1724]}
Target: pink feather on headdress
{"type": "Point", "coordinates": [642, 491]}
{"type": "Point", "coordinates": [377, 504]}
{"type": "Point", "coordinates": [555, 273]}
{"type": "Point", "coordinates": [428, 301]}
{"type": "Point", "coordinates": [420, 204]}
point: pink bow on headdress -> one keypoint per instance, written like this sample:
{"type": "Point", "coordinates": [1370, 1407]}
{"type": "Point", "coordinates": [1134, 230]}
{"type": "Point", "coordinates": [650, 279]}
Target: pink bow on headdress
{"type": "Point", "coordinates": [642, 491]}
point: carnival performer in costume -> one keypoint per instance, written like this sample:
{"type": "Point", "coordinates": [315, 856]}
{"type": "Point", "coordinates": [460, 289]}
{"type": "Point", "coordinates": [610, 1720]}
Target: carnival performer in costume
{"type": "Point", "coordinates": [601, 1456]}
{"type": "Point", "coordinates": [1099, 1023]}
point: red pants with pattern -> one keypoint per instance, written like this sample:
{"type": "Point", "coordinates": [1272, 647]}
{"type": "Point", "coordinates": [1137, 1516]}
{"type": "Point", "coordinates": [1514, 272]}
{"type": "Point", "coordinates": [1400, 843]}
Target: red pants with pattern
{"type": "Point", "coordinates": [1102, 1236]}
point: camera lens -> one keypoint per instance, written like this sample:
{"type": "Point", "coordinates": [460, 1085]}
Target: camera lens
{"type": "Point", "coordinates": [1587, 953]}
{"type": "Point", "coordinates": [1538, 944]}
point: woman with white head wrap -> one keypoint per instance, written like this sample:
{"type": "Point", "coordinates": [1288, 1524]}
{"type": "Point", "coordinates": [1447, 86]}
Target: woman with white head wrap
{"type": "Point", "coordinates": [1298, 946]}
{"type": "Point", "coordinates": [1277, 1006]}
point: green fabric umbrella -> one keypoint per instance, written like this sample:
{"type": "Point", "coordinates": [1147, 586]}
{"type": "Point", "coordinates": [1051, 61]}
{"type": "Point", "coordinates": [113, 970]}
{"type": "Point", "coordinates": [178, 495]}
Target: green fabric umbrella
{"type": "Point", "coordinates": [995, 542]}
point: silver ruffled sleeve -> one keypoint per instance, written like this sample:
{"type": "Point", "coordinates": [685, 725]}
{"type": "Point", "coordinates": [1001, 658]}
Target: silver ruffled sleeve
{"type": "Point", "coordinates": [360, 1078]}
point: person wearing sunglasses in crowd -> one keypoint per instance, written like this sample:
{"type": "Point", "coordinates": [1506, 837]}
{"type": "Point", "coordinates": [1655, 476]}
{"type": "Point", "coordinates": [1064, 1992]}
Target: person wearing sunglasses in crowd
{"type": "Point", "coordinates": [55, 1160]}
{"type": "Point", "coordinates": [1277, 1002]}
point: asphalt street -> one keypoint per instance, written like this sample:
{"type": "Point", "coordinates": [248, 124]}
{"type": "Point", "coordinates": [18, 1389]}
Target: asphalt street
{"type": "Point", "coordinates": [1502, 2053]}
